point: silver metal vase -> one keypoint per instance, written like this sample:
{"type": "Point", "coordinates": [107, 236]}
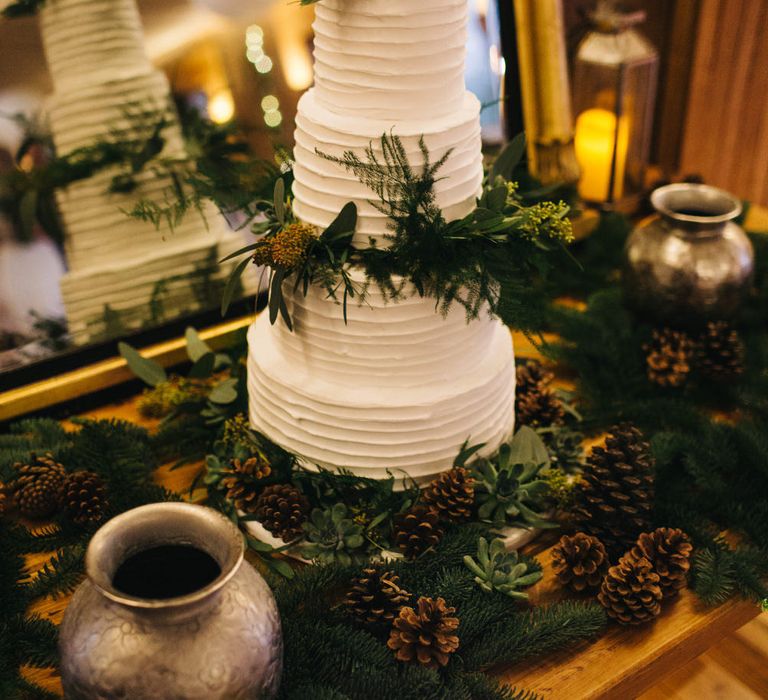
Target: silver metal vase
{"type": "Point", "coordinates": [691, 262]}
{"type": "Point", "coordinates": [221, 641]}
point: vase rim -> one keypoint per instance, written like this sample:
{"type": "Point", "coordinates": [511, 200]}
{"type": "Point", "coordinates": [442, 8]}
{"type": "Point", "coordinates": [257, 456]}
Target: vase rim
{"type": "Point", "coordinates": [671, 200]}
{"type": "Point", "coordinates": [139, 529]}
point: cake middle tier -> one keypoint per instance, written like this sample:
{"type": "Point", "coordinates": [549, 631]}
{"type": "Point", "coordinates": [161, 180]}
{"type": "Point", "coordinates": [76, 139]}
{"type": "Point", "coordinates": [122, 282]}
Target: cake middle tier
{"type": "Point", "coordinates": [322, 187]}
{"type": "Point", "coordinates": [399, 387]}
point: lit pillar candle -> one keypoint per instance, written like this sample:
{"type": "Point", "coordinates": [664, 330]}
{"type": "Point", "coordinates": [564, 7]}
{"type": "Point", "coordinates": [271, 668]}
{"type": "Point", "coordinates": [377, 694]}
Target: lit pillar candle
{"type": "Point", "coordinates": [596, 140]}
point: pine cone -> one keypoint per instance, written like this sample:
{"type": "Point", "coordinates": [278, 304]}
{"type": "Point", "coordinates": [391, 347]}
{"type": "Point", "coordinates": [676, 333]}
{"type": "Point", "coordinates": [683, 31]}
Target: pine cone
{"type": "Point", "coordinates": [452, 495]}
{"type": "Point", "coordinates": [532, 375]}
{"type": "Point", "coordinates": [427, 636]}
{"type": "Point", "coordinates": [630, 592]}
{"type": "Point", "coordinates": [39, 486]}
{"type": "Point", "coordinates": [720, 352]}
{"type": "Point", "coordinates": [375, 598]}
{"type": "Point", "coordinates": [669, 357]}
{"type": "Point", "coordinates": [242, 479]}
{"type": "Point", "coordinates": [417, 530]}
{"type": "Point", "coordinates": [535, 403]}
{"type": "Point", "coordinates": [615, 498]}
{"type": "Point", "coordinates": [579, 562]}
{"type": "Point", "coordinates": [538, 407]}
{"type": "Point", "coordinates": [85, 497]}
{"type": "Point", "coordinates": [282, 509]}
{"type": "Point", "coordinates": [669, 551]}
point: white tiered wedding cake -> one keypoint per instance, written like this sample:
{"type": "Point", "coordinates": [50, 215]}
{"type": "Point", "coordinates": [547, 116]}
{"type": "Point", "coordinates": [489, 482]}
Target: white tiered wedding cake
{"type": "Point", "coordinates": [399, 387]}
{"type": "Point", "coordinates": [121, 270]}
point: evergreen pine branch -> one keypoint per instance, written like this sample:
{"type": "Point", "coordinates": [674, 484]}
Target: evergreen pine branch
{"type": "Point", "coordinates": [59, 576]}
{"type": "Point", "coordinates": [713, 576]}
{"type": "Point", "coordinates": [46, 539]}
{"type": "Point", "coordinates": [544, 629]}
{"type": "Point", "coordinates": [36, 641]}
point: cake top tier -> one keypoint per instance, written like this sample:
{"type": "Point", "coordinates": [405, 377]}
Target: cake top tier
{"type": "Point", "coordinates": [390, 59]}
{"type": "Point", "coordinates": [88, 42]}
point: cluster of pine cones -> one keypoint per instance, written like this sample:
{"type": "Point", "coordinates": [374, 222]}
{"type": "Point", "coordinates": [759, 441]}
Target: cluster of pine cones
{"type": "Point", "coordinates": [425, 633]}
{"type": "Point", "coordinates": [672, 356]}
{"type": "Point", "coordinates": [450, 498]}
{"type": "Point", "coordinates": [42, 487]}
{"type": "Point", "coordinates": [613, 516]}
{"type": "Point", "coordinates": [631, 591]}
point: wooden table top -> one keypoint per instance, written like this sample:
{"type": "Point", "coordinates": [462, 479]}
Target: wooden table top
{"type": "Point", "coordinates": [622, 663]}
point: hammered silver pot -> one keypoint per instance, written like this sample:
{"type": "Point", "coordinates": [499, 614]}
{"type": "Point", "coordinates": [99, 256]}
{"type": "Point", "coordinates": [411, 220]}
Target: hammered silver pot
{"type": "Point", "coordinates": [221, 641]}
{"type": "Point", "coordinates": [691, 262]}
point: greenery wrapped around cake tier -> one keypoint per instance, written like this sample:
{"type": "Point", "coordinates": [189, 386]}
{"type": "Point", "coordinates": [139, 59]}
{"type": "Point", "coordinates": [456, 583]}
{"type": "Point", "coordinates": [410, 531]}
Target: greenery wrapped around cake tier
{"type": "Point", "coordinates": [497, 257]}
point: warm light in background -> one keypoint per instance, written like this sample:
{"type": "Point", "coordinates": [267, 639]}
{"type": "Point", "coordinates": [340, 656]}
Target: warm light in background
{"type": "Point", "coordinates": [187, 26]}
{"type": "Point", "coordinates": [292, 31]}
{"type": "Point", "coordinates": [254, 42]}
{"type": "Point", "coordinates": [221, 107]}
{"type": "Point", "coordinates": [596, 141]}
{"type": "Point", "coordinates": [271, 106]}
{"type": "Point", "coordinates": [297, 66]}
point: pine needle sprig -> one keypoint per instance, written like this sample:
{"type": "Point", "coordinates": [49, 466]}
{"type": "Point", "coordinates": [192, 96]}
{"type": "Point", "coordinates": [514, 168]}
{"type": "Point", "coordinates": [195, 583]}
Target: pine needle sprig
{"type": "Point", "coordinates": [36, 641]}
{"type": "Point", "coordinates": [59, 576]}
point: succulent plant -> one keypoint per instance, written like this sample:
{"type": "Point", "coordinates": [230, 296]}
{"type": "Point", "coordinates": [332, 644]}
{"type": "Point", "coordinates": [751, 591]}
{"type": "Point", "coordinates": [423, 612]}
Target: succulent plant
{"type": "Point", "coordinates": [511, 487]}
{"type": "Point", "coordinates": [333, 537]}
{"type": "Point", "coordinates": [502, 571]}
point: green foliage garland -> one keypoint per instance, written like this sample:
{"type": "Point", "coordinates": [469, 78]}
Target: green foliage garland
{"type": "Point", "coordinates": [497, 257]}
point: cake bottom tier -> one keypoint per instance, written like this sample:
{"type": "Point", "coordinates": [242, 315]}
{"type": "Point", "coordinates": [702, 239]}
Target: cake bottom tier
{"type": "Point", "coordinates": [374, 429]}
{"type": "Point", "coordinates": [176, 278]}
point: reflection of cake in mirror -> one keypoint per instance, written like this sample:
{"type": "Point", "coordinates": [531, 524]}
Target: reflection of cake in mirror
{"type": "Point", "coordinates": [123, 273]}
{"type": "Point", "coordinates": [399, 387]}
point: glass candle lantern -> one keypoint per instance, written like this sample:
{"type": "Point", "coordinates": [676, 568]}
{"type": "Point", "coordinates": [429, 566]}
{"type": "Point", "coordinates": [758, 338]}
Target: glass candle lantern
{"type": "Point", "coordinates": [614, 91]}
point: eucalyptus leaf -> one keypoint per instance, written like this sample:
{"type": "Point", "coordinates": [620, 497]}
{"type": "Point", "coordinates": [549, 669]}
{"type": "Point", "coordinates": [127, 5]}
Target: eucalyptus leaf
{"type": "Point", "coordinates": [147, 370]}
{"type": "Point", "coordinates": [284, 312]}
{"type": "Point", "coordinates": [203, 367]}
{"type": "Point", "coordinates": [275, 295]}
{"type": "Point", "coordinates": [224, 392]}
{"type": "Point", "coordinates": [232, 282]}
{"type": "Point", "coordinates": [341, 230]}
{"type": "Point", "coordinates": [257, 545]}
{"type": "Point", "coordinates": [508, 159]}
{"type": "Point", "coordinates": [238, 253]}
{"type": "Point", "coordinates": [281, 567]}
{"type": "Point", "coordinates": [280, 201]}
{"type": "Point", "coordinates": [496, 198]}
{"type": "Point", "coordinates": [196, 346]}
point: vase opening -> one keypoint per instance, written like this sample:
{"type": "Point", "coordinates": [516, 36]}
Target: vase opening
{"type": "Point", "coordinates": [164, 555]}
{"type": "Point", "coordinates": [694, 206]}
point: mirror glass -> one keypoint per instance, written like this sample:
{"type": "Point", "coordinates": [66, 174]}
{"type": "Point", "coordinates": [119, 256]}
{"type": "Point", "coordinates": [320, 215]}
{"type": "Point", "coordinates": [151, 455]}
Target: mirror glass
{"type": "Point", "coordinates": [72, 281]}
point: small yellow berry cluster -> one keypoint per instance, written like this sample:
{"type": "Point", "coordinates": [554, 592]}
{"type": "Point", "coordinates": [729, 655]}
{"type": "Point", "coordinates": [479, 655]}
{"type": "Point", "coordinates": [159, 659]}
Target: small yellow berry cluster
{"type": "Point", "coordinates": [546, 220]}
{"type": "Point", "coordinates": [287, 249]}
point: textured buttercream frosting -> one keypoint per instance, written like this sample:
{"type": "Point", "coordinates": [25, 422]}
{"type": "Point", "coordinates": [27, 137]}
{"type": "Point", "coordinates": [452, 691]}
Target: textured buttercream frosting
{"type": "Point", "coordinates": [399, 387]}
{"type": "Point", "coordinates": [121, 270]}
